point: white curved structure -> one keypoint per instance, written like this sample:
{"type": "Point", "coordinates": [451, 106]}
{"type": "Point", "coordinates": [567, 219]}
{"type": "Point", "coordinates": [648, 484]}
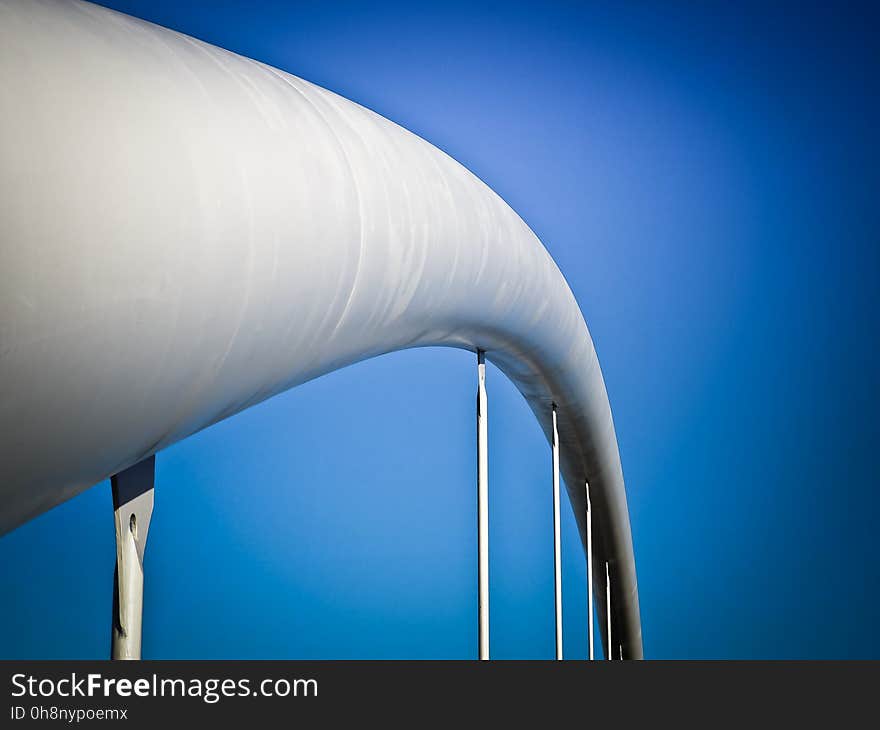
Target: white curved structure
{"type": "Point", "coordinates": [185, 232]}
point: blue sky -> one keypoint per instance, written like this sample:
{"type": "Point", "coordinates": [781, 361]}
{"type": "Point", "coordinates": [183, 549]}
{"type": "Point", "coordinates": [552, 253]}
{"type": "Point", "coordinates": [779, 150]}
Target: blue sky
{"type": "Point", "coordinates": [707, 181]}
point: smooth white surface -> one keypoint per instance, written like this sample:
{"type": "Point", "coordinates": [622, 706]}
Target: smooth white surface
{"type": "Point", "coordinates": [185, 232]}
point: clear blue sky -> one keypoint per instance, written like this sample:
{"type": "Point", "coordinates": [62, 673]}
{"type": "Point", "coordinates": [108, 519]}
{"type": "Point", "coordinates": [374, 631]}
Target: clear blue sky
{"type": "Point", "coordinates": [707, 180]}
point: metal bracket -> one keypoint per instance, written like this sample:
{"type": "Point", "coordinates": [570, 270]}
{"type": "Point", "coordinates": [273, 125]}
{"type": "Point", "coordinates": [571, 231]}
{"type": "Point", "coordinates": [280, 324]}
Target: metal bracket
{"type": "Point", "coordinates": [133, 508]}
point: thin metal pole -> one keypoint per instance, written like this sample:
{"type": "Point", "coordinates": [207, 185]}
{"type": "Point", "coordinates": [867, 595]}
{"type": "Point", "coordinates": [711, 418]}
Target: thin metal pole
{"type": "Point", "coordinates": [609, 651]}
{"type": "Point", "coordinates": [590, 572]}
{"type": "Point", "coordinates": [557, 552]}
{"type": "Point", "coordinates": [132, 510]}
{"type": "Point", "coordinates": [483, 505]}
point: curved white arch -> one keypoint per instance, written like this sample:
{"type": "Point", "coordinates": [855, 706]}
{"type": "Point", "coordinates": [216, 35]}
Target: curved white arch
{"type": "Point", "coordinates": [185, 232]}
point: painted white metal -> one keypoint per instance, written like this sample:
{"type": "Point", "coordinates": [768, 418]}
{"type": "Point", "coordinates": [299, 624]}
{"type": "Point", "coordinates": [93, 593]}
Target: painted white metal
{"type": "Point", "coordinates": [483, 504]}
{"type": "Point", "coordinates": [589, 522]}
{"type": "Point", "coordinates": [557, 547]}
{"type": "Point", "coordinates": [132, 511]}
{"type": "Point", "coordinates": [185, 232]}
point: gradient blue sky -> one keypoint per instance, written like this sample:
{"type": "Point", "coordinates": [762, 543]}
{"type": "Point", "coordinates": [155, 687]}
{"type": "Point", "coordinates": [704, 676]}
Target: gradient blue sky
{"type": "Point", "coordinates": [707, 180]}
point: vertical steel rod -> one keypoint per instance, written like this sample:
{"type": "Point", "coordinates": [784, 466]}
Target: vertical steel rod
{"type": "Point", "coordinates": [132, 508]}
{"type": "Point", "coordinates": [557, 552]}
{"type": "Point", "coordinates": [590, 573]}
{"type": "Point", "coordinates": [483, 505]}
{"type": "Point", "coordinates": [609, 651]}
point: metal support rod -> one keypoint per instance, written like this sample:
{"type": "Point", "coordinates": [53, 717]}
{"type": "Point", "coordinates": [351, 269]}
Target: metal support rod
{"type": "Point", "coordinates": [589, 574]}
{"type": "Point", "coordinates": [133, 508]}
{"type": "Point", "coordinates": [609, 651]}
{"type": "Point", "coordinates": [557, 551]}
{"type": "Point", "coordinates": [483, 505]}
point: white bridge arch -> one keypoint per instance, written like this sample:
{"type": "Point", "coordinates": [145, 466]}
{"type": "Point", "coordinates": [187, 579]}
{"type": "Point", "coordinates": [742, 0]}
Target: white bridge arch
{"type": "Point", "coordinates": [185, 232]}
